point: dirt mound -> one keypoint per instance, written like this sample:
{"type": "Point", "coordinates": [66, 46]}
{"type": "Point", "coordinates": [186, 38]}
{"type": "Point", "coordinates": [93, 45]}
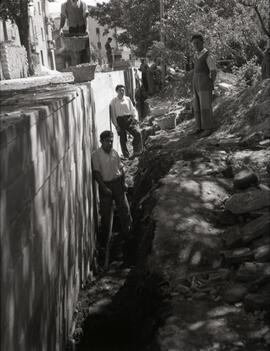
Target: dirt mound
{"type": "Point", "coordinates": [245, 112]}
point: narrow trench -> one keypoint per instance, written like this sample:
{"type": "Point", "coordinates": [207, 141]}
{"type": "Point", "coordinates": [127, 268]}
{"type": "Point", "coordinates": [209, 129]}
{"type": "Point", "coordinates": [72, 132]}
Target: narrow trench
{"type": "Point", "coordinates": [129, 319]}
{"type": "Point", "coordinates": [126, 321]}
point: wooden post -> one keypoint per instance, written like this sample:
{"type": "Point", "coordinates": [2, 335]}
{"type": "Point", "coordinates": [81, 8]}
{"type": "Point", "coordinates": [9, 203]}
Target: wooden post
{"type": "Point", "coordinates": [108, 244]}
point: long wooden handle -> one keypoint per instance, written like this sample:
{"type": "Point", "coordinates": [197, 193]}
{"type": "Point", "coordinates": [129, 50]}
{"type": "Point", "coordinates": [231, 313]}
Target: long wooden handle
{"type": "Point", "coordinates": [107, 251]}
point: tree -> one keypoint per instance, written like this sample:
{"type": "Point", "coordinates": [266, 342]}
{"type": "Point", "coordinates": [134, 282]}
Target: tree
{"type": "Point", "coordinates": [231, 29]}
{"type": "Point", "coordinates": [262, 9]}
{"type": "Point", "coordinates": [17, 11]}
{"type": "Point", "coordinates": [138, 18]}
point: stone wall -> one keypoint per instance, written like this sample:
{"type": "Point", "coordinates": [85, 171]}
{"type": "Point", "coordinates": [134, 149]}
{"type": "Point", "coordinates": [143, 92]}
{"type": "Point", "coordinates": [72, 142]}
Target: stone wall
{"type": "Point", "coordinates": [13, 60]}
{"type": "Point", "coordinates": [47, 212]}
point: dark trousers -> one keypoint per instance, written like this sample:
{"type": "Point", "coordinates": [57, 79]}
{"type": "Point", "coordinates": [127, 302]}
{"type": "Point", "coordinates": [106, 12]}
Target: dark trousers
{"type": "Point", "coordinates": [129, 124]}
{"type": "Point", "coordinates": [122, 207]}
{"type": "Point", "coordinates": [110, 59]}
{"type": "Point", "coordinates": [77, 30]}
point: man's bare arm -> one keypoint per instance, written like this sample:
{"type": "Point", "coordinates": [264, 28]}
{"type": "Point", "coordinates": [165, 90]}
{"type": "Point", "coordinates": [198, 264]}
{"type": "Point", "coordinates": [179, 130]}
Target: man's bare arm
{"type": "Point", "coordinates": [99, 180]}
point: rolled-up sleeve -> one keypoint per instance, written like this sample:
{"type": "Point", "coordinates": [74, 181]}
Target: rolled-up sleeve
{"type": "Point", "coordinates": [211, 63]}
{"type": "Point", "coordinates": [133, 110]}
{"type": "Point", "coordinates": [95, 162]}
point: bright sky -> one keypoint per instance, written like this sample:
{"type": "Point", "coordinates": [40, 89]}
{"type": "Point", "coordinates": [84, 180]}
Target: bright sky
{"type": "Point", "coordinates": [55, 7]}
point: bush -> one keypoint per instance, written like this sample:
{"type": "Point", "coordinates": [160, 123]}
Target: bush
{"type": "Point", "coordinates": [248, 74]}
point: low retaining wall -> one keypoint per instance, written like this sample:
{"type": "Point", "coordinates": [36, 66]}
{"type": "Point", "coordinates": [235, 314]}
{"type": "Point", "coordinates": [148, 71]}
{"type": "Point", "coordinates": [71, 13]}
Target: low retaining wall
{"type": "Point", "coordinates": [13, 60]}
{"type": "Point", "coordinates": [47, 213]}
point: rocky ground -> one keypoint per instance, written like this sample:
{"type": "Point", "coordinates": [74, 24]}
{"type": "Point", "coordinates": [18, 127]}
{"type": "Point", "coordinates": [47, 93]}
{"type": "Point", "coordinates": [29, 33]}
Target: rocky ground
{"type": "Point", "coordinates": [200, 253]}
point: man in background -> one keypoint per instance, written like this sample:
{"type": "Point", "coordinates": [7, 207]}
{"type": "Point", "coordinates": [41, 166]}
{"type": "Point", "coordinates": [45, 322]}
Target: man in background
{"type": "Point", "coordinates": [75, 12]}
{"type": "Point", "coordinates": [108, 49]}
{"type": "Point", "coordinates": [123, 116]}
{"type": "Point", "coordinates": [204, 76]}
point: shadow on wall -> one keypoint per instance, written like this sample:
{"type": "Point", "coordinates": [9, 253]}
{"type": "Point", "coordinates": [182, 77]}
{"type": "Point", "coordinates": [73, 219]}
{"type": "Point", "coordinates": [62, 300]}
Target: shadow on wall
{"type": "Point", "coordinates": [47, 213]}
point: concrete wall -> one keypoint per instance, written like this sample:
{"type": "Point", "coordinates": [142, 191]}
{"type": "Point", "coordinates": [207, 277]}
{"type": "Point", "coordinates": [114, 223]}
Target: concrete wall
{"type": "Point", "coordinates": [47, 213]}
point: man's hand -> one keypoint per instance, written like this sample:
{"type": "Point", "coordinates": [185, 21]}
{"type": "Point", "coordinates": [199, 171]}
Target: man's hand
{"type": "Point", "coordinates": [60, 32]}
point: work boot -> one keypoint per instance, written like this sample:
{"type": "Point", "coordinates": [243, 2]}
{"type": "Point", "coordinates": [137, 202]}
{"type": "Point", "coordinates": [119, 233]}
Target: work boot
{"type": "Point", "coordinates": [196, 132]}
{"type": "Point", "coordinates": [206, 133]}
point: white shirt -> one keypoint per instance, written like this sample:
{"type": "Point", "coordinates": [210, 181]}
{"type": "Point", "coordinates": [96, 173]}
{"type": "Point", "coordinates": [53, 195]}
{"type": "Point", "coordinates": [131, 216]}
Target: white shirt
{"type": "Point", "coordinates": [108, 165]}
{"type": "Point", "coordinates": [210, 61]}
{"type": "Point", "coordinates": [121, 107]}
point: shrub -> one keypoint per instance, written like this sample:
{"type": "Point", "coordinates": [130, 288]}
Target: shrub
{"type": "Point", "coordinates": [248, 74]}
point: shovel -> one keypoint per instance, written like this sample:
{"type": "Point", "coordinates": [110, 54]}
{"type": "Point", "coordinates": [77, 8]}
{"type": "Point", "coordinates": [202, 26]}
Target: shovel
{"type": "Point", "coordinates": [107, 250]}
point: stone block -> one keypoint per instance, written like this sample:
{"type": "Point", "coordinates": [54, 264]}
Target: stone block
{"type": "Point", "coordinates": [248, 201]}
{"type": "Point", "coordinates": [233, 236]}
{"type": "Point", "coordinates": [228, 172]}
{"type": "Point", "coordinates": [256, 228]}
{"type": "Point", "coordinates": [237, 256]}
{"type": "Point", "coordinates": [235, 293]}
{"type": "Point", "coordinates": [254, 302]}
{"type": "Point", "coordinates": [262, 253]}
{"type": "Point", "coordinates": [244, 179]}
{"type": "Point", "coordinates": [250, 271]}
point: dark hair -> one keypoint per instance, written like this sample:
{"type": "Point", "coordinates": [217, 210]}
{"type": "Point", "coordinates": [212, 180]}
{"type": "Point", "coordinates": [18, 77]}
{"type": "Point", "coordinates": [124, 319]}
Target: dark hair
{"type": "Point", "coordinates": [106, 134]}
{"type": "Point", "coordinates": [197, 36]}
{"type": "Point", "coordinates": [119, 86]}
{"type": "Point", "coordinates": [110, 38]}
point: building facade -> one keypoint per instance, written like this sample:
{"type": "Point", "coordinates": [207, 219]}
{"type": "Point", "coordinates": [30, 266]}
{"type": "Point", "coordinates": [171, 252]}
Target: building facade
{"type": "Point", "coordinates": [98, 37]}
{"type": "Point", "coordinates": [13, 58]}
{"type": "Point", "coordinates": [41, 32]}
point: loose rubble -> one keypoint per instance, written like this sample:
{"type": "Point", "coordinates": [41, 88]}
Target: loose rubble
{"type": "Point", "coordinates": [211, 224]}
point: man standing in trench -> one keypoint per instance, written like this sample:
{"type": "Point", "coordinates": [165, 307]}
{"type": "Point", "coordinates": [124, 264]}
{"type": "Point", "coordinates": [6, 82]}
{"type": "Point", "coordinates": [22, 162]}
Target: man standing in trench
{"type": "Point", "coordinates": [123, 116]}
{"type": "Point", "coordinates": [204, 76]}
{"type": "Point", "coordinates": [109, 173]}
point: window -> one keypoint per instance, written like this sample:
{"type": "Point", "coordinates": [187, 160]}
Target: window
{"type": "Point", "coordinates": [42, 58]}
{"type": "Point", "coordinates": [99, 44]}
{"type": "Point", "coordinates": [97, 30]}
{"type": "Point", "coordinates": [39, 8]}
{"type": "Point", "coordinates": [42, 33]}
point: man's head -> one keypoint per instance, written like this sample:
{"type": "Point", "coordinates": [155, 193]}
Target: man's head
{"type": "Point", "coordinates": [120, 89]}
{"type": "Point", "coordinates": [197, 41]}
{"type": "Point", "coordinates": [106, 139]}
{"type": "Point", "coordinates": [109, 39]}
{"type": "Point", "coordinates": [75, 3]}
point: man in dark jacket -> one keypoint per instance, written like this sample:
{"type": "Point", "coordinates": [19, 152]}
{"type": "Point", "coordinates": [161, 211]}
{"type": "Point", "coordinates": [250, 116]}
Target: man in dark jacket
{"type": "Point", "coordinates": [204, 76]}
{"type": "Point", "coordinates": [109, 52]}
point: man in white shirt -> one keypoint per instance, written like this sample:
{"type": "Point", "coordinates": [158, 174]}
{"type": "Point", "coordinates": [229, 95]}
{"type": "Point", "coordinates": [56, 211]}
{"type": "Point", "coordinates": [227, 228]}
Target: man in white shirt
{"type": "Point", "coordinates": [204, 76]}
{"type": "Point", "coordinates": [123, 116]}
{"type": "Point", "coordinates": [76, 12]}
{"type": "Point", "coordinates": [109, 173]}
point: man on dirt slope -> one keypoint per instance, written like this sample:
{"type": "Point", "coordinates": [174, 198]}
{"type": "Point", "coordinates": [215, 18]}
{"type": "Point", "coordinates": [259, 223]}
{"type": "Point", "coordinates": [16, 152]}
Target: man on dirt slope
{"type": "Point", "coordinates": [204, 76]}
